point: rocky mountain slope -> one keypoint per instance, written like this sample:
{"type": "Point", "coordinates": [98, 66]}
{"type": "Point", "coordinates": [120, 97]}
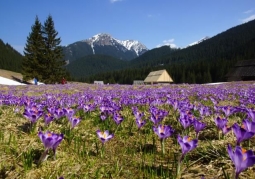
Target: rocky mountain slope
{"type": "Point", "coordinates": [104, 44]}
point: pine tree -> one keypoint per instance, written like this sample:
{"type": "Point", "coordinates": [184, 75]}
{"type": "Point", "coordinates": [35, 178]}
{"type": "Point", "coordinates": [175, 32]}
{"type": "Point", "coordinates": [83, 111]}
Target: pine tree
{"type": "Point", "coordinates": [52, 62]}
{"type": "Point", "coordinates": [31, 66]}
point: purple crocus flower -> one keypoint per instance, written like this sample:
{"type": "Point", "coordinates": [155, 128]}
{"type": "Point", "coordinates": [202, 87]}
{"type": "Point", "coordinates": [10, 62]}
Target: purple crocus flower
{"type": "Point", "coordinates": [174, 103]}
{"type": "Point", "coordinates": [117, 118]}
{"type": "Point", "coordinates": [59, 112]}
{"type": "Point", "coordinates": [104, 136]}
{"type": "Point", "coordinates": [186, 121]}
{"type": "Point", "coordinates": [69, 112]}
{"type": "Point", "coordinates": [157, 115]}
{"type": "Point", "coordinates": [51, 109]}
{"type": "Point", "coordinates": [186, 144]}
{"type": "Point", "coordinates": [248, 125]}
{"type": "Point", "coordinates": [241, 133]}
{"type": "Point", "coordinates": [33, 113]}
{"type": "Point", "coordinates": [199, 126]}
{"type": "Point", "coordinates": [74, 121]}
{"type": "Point", "coordinates": [204, 111]}
{"type": "Point", "coordinates": [156, 118]}
{"type": "Point", "coordinates": [103, 116]}
{"type": "Point", "coordinates": [228, 110]}
{"type": "Point", "coordinates": [220, 122]}
{"type": "Point", "coordinates": [140, 123]}
{"type": "Point", "coordinates": [163, 131]}
{"type": "Point", "coordinates": [105, 112]}
{"type": "Point", "coordinates": [48, 118]}
{"type": "Point", "coordinates": [138, 114]}
{"type": "Point", "coordinates": [50, 140]}
{"type": "Point", "coordinates": [251, 114]}
{"type": "Point", "coordinates": [241, 158]}
{"type": "Point", "coordinates": [89, 107]}
{"type": "Point", "coordinates": [226, 129]}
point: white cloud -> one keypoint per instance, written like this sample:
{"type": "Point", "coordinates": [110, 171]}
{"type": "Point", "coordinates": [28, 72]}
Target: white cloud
{"type": "Point", "coordinates": [248, 11]}
{"type": "Point", "coordinates": [153, 15]}
{"type": "Point", "coordinates": [252, 17]}
{"type": "Point", "coordinates": [113, 1]}
{"type": "Point", "coordinates": [169, 42]}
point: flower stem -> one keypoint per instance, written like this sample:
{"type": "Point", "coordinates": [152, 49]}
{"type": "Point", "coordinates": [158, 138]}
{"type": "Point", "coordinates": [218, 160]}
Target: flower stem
{"type": "Point", "coordinates": [178, 172]}
{"type": "Point", "coordinates": [102, 151]}
{"type": "Point", "coordinates": [162, 146]}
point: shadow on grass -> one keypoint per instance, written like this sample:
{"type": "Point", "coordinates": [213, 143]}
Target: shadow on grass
{"type": "Point", "coordinates": [160, 171]}
{"type": "Point", "coordinates": [208, 135]}
{"type": "Point", "coordinates": [36, 153]}
{"type": "Point", "coordinates": [92, 153]}
{"type": "Point", "coordinates": [20, 81]}
{"type": "Point", "coordinates": [5, 170]}
{"type": "Point", "coordinates": [147, 148]}
{"type": "Point", "coordinates": [28, 127]}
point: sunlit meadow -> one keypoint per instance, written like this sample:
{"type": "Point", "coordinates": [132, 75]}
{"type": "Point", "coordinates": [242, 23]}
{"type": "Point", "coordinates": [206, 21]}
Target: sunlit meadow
{"type": "Point", "coordinates": [123, 131]}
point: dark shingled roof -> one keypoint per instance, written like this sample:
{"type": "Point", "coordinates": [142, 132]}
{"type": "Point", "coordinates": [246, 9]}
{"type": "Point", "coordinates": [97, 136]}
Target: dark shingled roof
{"type": "Point", "coordinates": [245, 63]}
{"type": "Point", "coordinates": [243, 70]}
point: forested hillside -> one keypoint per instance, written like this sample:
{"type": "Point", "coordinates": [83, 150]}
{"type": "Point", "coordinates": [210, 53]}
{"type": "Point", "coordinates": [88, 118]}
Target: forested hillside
{"type": "Point", "coordinates": [94, 64]}
{"type": "Point", "coordinates": [208, 61]}
{"type": "Point", "coordinates": [10, 59]}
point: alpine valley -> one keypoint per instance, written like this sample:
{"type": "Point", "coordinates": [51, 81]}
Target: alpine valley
{"type": "Point", "coordinates": [105, 58]}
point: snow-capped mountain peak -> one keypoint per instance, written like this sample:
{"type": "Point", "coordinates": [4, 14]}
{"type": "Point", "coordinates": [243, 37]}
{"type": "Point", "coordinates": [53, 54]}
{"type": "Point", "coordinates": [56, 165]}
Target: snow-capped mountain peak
{"type": "Point", "coordinates": [104, 44]}
{"type": "Point", "coordinates": [199, 41]}
{"type": "Point", "coordinates": [103, 39]}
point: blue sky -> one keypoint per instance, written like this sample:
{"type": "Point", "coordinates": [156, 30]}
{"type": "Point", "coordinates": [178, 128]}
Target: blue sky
{"type": "Point", "coordinates": [152, 22]}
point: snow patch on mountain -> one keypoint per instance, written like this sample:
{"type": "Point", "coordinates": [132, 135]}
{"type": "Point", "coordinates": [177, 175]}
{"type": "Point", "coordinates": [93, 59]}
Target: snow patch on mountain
{"type": "Point", "coordinates": [133, 45]}
{"type": "Point", "coordinates": [199, 41]}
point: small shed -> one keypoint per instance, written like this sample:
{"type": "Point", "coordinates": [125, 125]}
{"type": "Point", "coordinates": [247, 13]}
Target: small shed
{"type": "Point", "coordinates": [98, 82]}
{"type": "Point", "coordinates": [138, 82]}
{"type": "Point", "coordinates": [160, 76]}
{"type": "Point", "coordinates": [243, 71]}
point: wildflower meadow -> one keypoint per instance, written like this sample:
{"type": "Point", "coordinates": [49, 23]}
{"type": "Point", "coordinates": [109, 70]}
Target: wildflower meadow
{"type": "Point", "coordinates": [79, 131]}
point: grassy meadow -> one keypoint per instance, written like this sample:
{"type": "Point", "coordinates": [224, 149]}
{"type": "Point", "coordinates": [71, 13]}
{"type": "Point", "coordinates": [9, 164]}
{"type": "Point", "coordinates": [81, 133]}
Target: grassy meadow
{"type": "Point", "coordinates": [134, 152]}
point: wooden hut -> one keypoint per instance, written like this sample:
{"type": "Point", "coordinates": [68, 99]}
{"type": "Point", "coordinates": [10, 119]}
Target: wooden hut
{"type": "Point", "coordinates": [160, 76]}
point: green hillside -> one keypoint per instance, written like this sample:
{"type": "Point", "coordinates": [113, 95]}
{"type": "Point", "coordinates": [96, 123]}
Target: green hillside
{"type": "Point", "coordinates": [10, 59]}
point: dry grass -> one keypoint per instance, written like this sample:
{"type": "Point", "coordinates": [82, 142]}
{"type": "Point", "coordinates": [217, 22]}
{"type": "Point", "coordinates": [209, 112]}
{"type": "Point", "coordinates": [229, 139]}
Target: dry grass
{"type": "Point", "coordinates": [10, 75]}
{"type": "Point", "coordinates": [130, 154]}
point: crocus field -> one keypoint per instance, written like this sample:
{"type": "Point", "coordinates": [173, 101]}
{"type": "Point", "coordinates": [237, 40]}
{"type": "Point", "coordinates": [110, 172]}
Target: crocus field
{"type": "Point", "coordinates": [83, 131]}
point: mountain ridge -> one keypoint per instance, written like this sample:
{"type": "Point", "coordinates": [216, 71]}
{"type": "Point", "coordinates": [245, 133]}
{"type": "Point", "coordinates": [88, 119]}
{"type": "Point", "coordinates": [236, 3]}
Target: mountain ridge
{"type": "Point", "coordinates": [104, 44]}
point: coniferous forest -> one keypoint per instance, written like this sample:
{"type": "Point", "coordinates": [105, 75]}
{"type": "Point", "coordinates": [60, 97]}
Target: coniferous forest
{"type": "Point", "coordinates": [10, 59]}
{"type": "Point", "coordinates": [208, 61]}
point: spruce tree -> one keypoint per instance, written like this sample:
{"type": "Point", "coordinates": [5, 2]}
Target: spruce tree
{"type": "Point", "coordinates": [52, 62]}
{"type": "Point", "coordinates": [33, 51]}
